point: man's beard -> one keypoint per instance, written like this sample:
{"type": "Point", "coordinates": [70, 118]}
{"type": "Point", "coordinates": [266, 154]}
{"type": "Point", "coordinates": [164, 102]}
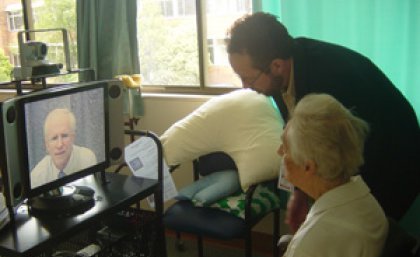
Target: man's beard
{"type": "Point", "coordinates": [276, 86]}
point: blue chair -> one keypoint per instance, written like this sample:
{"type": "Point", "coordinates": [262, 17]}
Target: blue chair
{"type": "Point", "coordinates": [183, 216]}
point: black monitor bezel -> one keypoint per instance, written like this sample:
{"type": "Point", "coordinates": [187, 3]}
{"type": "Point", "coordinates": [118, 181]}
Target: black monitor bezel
{"type": "Point", "coordinates": [52, 93]}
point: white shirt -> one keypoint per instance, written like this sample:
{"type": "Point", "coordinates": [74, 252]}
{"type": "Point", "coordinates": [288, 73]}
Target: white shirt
{"type": "Point", "coordinates": [346, 221]}
{"type": "Point", "coordinates": [45, 171]}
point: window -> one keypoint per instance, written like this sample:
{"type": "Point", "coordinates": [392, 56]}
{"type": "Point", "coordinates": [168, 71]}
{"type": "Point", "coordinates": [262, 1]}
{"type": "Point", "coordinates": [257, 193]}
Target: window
{"type": "Point", "coordinates": [167, 46]}
{"type": "Point", "coordinates": [53, 15]}
{"type": "Point", "coordinates": [11, 20]}
{"type": "Point", "coordinates": [42, 14]}
{"type": "Point", "coordinates": [167, 8]}
{"type": "Point", "coordinates": [220, 15]}
{"type": "Point", "coordinates": [227, 7]}
{"type": "Point", "coordinates": [15, 20]}
{"type": "Point", "coordinates": [174, 8]}
{"type": "Point", "coordinates": [181, 45]}
{"type": "Point", "coordinates": [186, 7]}
{"type": "Point", "coordinates": [171, 50]}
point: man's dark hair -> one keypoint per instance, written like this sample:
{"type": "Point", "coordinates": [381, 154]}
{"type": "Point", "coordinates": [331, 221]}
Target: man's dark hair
{"type": "Point", "coordinates": [261, 36]}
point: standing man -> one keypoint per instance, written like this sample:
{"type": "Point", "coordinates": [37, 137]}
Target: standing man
{"type": "Point", "coordinates": [270, 61]}
{"type": "Point", "coordinates": [63, 156]}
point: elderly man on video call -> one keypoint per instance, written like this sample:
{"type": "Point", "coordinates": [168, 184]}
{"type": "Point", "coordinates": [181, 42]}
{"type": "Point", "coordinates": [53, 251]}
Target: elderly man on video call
{"type": "Point", "coordinates": [322, 150]}
{"type": "Point", "coordinates": [268, 60]}
{"type": "Point", "coordinates": [63, 156]}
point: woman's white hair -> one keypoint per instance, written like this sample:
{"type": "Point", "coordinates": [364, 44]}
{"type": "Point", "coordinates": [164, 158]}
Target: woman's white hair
{"type": "Point", "coordinates": [323, 130]}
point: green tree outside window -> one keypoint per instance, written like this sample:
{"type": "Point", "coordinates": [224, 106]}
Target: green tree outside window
{"type": "Point", "coordinates": [5, 67]}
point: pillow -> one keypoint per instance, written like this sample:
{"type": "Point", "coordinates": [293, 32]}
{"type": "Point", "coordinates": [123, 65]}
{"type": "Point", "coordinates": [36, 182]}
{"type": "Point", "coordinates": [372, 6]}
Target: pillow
{"type": "Point", "coordinates": [211, 188]}
{"type": "Point", "coordinates": [244, 124]}
{"type": "Point", "coordinates": [265, 199]}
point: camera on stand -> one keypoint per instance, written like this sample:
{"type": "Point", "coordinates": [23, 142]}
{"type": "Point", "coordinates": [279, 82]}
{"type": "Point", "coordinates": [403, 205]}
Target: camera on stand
{"type": "Point", "coordinates": [33, 56]}
{"type": "Point", "coordinates": [34, 53]}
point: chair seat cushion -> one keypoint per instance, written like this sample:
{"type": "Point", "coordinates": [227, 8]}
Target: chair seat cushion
{"type": "Point", "coordinates": [209, 189]}
{"type": "Point", "coordinates": [264, 200]}
{"type": "Point", "coordinates": [183, 216]}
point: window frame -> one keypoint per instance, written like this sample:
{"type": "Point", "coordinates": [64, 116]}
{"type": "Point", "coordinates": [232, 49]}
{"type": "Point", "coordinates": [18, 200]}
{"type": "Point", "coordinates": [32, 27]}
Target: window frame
{"type": "Point", "coordinates": [203, 86]}
{"type": "Point", "coordinates": [11, 20]}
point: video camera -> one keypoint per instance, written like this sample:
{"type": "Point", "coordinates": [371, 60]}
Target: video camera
{"type": "Point", "coordinates": [33, 56]}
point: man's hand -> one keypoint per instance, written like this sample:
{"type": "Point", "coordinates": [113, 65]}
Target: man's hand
{"type": "Point", "coordinates": [297, 208]}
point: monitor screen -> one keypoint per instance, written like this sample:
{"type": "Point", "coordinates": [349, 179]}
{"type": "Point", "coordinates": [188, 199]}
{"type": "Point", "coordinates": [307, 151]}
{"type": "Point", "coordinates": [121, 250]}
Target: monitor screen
{"type": "Point", "coordinates": [51, 137]}
{"type": "Point", "coordinates": [66, 136]}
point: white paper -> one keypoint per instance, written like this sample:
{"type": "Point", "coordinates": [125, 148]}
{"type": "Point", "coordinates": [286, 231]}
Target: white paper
{"type": "Point", "coordinates": [283, 183]}
{"type": "Point", "coordinates": [142, 158]}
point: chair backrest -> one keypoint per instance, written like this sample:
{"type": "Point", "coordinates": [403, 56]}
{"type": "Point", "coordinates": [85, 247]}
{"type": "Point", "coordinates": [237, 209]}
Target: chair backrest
{"type": "Point", "coordinates": [398, 243]}
{"type": "Point", "coordinates": [215, 161]}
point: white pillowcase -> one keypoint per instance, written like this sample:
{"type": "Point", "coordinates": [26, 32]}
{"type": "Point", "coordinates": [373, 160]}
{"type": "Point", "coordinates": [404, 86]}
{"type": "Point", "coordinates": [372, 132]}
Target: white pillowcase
{"type": "Point", "coordinates": [244, 124]}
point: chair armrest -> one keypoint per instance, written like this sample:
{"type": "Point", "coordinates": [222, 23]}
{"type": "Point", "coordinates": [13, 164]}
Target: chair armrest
{"type": "Point", "coordinates": [248, 200]}
{"type": "Point", "coordinates": [118, 169]}
{"type": "Point", "coordinates": [249, 194]}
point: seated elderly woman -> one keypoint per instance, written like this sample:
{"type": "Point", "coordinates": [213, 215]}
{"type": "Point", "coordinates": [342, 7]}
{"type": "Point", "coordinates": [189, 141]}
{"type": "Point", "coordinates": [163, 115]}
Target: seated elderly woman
{"type": "Point", "coordinates": [322, 149]}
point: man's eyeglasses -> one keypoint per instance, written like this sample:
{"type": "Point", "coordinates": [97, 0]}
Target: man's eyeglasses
{"type": "Point", "coordinates": [251, 84]}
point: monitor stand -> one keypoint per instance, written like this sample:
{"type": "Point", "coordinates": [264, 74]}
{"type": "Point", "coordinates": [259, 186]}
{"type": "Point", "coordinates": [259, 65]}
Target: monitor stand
{"type": "Point", "coordinates": [63, 201]}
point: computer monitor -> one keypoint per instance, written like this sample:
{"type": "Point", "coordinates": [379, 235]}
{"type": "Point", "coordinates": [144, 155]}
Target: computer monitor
{"type": "Point", "coordinates": [55, 136]}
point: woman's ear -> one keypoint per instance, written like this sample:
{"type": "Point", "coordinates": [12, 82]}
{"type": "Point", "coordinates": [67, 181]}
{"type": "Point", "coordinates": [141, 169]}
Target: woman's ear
{"type": "Point", "coordinates": [310, 166]}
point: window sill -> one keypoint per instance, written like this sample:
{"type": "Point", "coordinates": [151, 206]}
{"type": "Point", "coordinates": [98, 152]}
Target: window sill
{"type": "Point", "coordinates": [172, 90]}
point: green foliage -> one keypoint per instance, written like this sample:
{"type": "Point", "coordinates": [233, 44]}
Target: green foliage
{"type": "Point", "coordinates": [57, 14]}
{"type": "Point", "coordinates": [5, 67]}
{"type": "Point", "coordinates": [54, 15]}
{"type": "Point", "coordinates": [168, 47]}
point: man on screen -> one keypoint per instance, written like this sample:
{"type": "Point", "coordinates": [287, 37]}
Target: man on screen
{"type": "Point", "coordinates": [63, 156]}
